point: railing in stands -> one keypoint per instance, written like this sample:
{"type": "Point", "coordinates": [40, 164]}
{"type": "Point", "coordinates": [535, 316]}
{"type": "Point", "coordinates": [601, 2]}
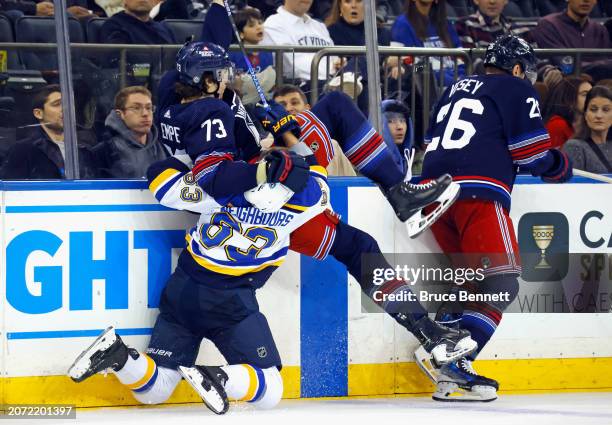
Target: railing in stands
{"type": "Point", "coordinates": [422, 91]}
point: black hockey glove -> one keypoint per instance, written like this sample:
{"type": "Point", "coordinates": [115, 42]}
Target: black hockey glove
{"type": "Point", "coordinates": [287, 168]}
{"type": "Point", "coordinates": [561, 170]}
{"type": "Point", "coordinates": [277, 120]}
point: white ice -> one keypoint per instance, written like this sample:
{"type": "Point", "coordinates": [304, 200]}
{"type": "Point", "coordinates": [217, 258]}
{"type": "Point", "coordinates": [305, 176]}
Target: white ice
{"type": "Point", "coordinates": [557, 409]}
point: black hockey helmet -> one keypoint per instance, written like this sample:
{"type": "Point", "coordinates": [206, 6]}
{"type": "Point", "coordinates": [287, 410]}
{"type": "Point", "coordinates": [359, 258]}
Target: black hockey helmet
{"type": "Point", "coordinates": [509, 50]}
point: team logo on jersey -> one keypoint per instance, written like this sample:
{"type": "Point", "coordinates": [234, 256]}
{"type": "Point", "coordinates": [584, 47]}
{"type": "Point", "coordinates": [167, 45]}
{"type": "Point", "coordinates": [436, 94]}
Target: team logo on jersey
{"type": "Point", "coordinates": [543, 240]}
{"type": "Point", "coordinates": [314, 146]}
{"type": "Point", "coordinates": [262, 352]}
{"type": "Point", "coordinates": [167, 114]}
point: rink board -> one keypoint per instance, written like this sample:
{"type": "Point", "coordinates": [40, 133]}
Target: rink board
{"type": "Point", "coordinates": [80, 256]}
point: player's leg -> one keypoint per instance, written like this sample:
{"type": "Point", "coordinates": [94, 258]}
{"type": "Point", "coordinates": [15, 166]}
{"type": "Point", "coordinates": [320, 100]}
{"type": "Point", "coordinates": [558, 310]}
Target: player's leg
{"type": "Point", "coordinates": [349, 246]}
{"type": "Point", "coordinates": [152, 377]}
{"type": "Point", "coordinates": [335, 116]}
{"type": "Point", "coordinates": [488, 237]}
{"type": "Point", "coordinates": [150, 383]}
{"type": "Point", "coordinates": [243, 336]}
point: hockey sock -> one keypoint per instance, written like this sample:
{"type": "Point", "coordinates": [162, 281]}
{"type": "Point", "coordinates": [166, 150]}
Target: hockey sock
{"type": "Point", "coordinates": [481, 319]}
{"type": "Point", "coordinates": [262, 387]}
{"type": "Point", "coordinates": [139, 372]}
{"type": "Point", "coordinates": [361, 143]}
{"type": "Point", "coordinates": [349, 247]}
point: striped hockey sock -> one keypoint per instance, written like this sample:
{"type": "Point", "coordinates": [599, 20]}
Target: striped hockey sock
{"type": "Point", "coordinates": [139, 372]}
{"type": "Point", "coordinates": [481, 320]}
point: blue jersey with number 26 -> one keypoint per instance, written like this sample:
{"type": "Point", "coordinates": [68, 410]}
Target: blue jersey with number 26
{"type": "Point", "coordinates": [482, 129]}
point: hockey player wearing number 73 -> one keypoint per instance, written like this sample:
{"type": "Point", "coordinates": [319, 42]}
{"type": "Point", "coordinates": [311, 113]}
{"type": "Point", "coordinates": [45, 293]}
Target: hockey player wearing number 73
{"type": "Point", "coordinates": [483, 129]}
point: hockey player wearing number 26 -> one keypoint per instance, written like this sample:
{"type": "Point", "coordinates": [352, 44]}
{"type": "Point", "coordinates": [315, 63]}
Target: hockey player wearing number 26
{"type": "Point", "coordinates": [482, 130]}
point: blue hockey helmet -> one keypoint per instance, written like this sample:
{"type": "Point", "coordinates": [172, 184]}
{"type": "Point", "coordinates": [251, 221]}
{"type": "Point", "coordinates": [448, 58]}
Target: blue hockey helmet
{"type": "Point", "coordinates": [196, 58]}
{"type": "Point", "coordinates": [509, 50]}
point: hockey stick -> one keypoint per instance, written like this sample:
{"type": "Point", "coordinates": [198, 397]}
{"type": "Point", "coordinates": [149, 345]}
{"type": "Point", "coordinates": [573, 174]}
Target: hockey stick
{"type": "Point", "coordinates": [592, 176]}
{"type": "Point", "coordinates": [251, 71]}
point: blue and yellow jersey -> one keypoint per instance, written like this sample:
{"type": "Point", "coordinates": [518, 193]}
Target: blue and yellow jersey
{"type": "Point", "coordinates": [234, 244]}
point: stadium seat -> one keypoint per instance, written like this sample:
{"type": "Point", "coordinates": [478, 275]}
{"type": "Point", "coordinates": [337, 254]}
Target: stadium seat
{"type": "Point", "coordinates": [459, 7]}
{"type": "Point", "coordinates": [34, 29]}
{"type": "Point", "coordinates": [93, 29]}
{"type": "Point", "coordinates": [6, 30]}
{"type": "Point", "coordinates": [184, 28]}
{"type": "Point", "coordinates": [513, 10]}
{"type": "Point", "coordinates": [6, 36]}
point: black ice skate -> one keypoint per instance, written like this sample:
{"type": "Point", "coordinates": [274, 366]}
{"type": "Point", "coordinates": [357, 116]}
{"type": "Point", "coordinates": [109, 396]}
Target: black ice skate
{"type": "Point", "coordinates": [408, 199]}
{"type": "Point", "coordinates": [208, 381]}
{"type": "Point", "coordinates": [458, 381]}
{"type": "Point", "coordinates": [439, 345]}
{"type": "Point", "coordinates": [107, 352]}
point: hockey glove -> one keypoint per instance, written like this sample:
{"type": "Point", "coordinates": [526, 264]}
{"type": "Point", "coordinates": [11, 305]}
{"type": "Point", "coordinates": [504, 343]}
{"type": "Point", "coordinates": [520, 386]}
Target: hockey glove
{"type": "Point", "coordinates": [277, 120]}
{"type": "Point", "coordinates": [287, 168]}
{"type": "Point", "coordinates": [561, 170]}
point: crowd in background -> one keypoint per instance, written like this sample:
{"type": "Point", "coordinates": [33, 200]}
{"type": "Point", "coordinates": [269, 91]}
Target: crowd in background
{"type": "Point", "coordinates": [119, 139]}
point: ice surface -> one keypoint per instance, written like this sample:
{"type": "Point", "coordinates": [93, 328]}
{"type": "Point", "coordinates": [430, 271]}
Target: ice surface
{"type": "Point", "coordinates": [558, 409]}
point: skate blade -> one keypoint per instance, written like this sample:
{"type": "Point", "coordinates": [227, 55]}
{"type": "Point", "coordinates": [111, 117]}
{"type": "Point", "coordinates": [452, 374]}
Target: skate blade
{"type": "Point", "coordinates": [418, 223]}
{"type": "Point", "coordinates": [463, 348]}
{"type": "Point", "coordinates": [83, 362]}
{"type": "Point", "coordinates": [214, 400]}
{"type": "Point", "coordinates": [452, 392]}
{"type": "Point", "coordinates": [425, 363]}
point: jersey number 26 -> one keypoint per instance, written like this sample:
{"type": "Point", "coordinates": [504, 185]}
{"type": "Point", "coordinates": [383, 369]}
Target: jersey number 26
{"type": "Point", "coordinates": [456, 123]}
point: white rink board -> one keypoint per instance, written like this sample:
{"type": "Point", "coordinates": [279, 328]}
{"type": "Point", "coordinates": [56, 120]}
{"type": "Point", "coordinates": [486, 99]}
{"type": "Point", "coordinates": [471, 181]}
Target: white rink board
{"type": "Point", "coordinates": [519, 336]}
{"type": "Point", "coordinates": [371, 338]}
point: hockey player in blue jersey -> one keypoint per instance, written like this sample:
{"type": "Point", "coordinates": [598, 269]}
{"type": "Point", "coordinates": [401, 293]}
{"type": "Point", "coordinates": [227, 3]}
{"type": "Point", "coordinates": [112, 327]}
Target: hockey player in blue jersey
{"type": "Point", "coordinates": [482, 130]}
{"type": "Point", "coordinates": [231, 252]}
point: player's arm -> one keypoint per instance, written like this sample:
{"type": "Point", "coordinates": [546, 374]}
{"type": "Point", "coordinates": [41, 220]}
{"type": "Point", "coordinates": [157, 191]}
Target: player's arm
{"type": "Point", "coordinates": [173, 185]}
{"type": "Point", "coordinates": [528, 141]}
{"type": "Point", "coordinates": [217, 27]}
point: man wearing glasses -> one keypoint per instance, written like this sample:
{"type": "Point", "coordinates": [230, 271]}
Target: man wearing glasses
{"type": "Point", "coordinates": [130, 144]}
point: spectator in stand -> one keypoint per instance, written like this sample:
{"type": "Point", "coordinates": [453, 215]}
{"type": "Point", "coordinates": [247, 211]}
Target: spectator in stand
{"type": "Point", "coordinates": [131, 142]}
{"type": "Point", "coordinates": [42, 155]}
{"type": "Point", "coordinates": [169, 9]}
{"type": "Point", "coordinates": [135, 26]}
{"type": "Point", "coordinates": [571, 28]}
{"type": "Point", "coordinates": [292, 25]}
{"type": "Point", "coordinates": [294, 101]}
{"type": "Point", "coordinates": [488, 23]}
{"type": "Point", "coordinates": [564, 108]}
{"type": "Point", "coordinates": [13, 9]}
{"type": "Point", "coordinates": [397, 130]}
{"type": "Point", "coordinates": [346, 28]}
{"type": "Point", "coordinates": [424, 24]}
{"type": "Point", "coordinates": [249, 22]}
{"type": "Point", "coordinates": [591, 149]}
{"type": "Point", "coordinates": [345, 23]}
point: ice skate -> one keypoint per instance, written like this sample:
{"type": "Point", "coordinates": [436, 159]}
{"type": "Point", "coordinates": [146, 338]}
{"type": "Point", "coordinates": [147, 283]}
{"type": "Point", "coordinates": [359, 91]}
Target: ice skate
{"type": "Point", "coordinates": [439, 344]}
{"type": "Point", "coordinates": [107, 352]}
{"type": "Point", "coordinates": [408, 200]}
{"type": "Point", "coordinates": [458, 381]}
{"type": "Point", "coordinates": [208, 383]}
